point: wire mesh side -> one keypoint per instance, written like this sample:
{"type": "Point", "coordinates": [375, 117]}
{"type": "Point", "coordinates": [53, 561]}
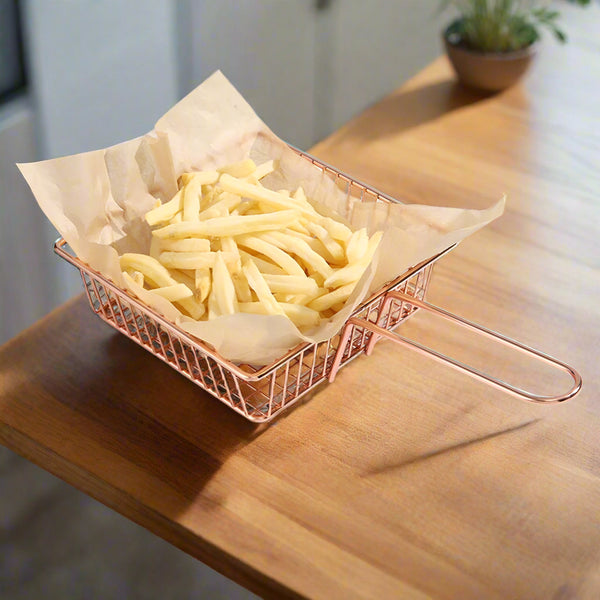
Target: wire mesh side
{"type": "Point", "coordinates": [312, 365]}
{"type": "Point", "coordinates": [117, 309]}
{"type": "Point", "coordinates": [356, 340]}
{"type": "Point", "coordinates": [258, 399]}
{"type": "Point", "coordinates": [355, 191]}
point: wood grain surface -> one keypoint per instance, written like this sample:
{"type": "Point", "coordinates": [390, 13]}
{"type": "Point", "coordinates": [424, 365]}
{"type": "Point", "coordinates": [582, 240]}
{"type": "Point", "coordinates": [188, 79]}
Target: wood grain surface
{"type": "Point", "coordinates": [403, 479]}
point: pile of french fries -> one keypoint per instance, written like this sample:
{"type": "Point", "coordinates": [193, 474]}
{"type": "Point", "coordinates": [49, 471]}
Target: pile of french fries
{"type": "Point", "coordinates": [226, 244]}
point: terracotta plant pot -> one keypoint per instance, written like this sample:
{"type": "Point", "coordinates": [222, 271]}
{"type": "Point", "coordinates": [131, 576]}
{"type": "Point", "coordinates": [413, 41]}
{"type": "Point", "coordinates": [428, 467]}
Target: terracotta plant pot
{"type": "Point", "coordinates": [491, 72]}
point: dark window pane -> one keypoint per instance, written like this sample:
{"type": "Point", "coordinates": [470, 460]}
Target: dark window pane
{"type": "Point", "coordinates": [12, 72]}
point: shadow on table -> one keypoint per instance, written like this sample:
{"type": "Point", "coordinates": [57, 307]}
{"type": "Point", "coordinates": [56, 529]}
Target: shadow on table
{"type": "Point", "coordinates": [443, 449]}
{"type": "Point", "coordinates": [120, 415]}
{"type": "Point", "coordinates": [407, 109]}
{"type": "Point", "coordinates": [183, 432]}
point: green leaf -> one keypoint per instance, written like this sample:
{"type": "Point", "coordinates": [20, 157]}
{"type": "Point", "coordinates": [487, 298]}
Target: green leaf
{"type": "Point", "coordinates": [560, 35]}
{"type": "Point", "coordinates": [502, 25]}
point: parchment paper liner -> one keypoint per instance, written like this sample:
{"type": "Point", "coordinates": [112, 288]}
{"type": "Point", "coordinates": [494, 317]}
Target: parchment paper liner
{"type": "Point", "coordinates": [96, 200]}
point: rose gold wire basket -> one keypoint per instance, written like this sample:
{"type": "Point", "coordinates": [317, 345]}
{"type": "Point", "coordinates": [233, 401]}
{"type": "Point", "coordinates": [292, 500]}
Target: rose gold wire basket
{"type": "Point", "coordinates": [260, 394]}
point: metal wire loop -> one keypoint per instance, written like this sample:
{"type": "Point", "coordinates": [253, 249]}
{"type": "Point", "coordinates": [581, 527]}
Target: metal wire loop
{"type": "Point", "coordinates": [378, 332]}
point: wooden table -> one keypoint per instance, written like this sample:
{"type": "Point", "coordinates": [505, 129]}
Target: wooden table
{"type": "Point", "coordinates": [403, 479]}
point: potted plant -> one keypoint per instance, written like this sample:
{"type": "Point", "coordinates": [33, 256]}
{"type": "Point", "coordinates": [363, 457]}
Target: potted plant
{"type": "Point", "coordinates": [492, 42]}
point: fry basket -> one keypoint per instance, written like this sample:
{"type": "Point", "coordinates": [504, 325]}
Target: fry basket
{"type": "Point", "coordinates": [260, 394]}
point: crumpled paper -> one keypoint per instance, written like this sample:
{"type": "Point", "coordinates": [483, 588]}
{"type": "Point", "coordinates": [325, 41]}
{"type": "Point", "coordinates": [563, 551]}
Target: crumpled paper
{"type": "Point", "coordinates": [97, 201]}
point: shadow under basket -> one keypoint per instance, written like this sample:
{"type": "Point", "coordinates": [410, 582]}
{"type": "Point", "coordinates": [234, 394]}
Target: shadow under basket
{"type": "Point", "coordinates": [260, 394]}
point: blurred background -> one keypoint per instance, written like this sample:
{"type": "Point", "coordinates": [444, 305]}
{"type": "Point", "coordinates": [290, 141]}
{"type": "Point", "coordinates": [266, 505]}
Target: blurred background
{"type": "Point", "coordinates": [77, 75]}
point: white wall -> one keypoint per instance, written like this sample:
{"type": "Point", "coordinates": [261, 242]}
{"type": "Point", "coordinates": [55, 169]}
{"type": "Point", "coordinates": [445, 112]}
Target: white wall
{"type": "Point", "coordinates": [26, 290]}
{"type": "Point", "coordinates": [307, 71]}
{"type": "Point", "coordinates": [101, 71]}
{"type": "Point", "coordinates": [266, 48]}
{"type": "Point", "coordinates": [373, 47]}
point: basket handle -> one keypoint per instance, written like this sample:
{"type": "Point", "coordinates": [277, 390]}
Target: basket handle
{"type": "Point", "coordinates": [379, 332]}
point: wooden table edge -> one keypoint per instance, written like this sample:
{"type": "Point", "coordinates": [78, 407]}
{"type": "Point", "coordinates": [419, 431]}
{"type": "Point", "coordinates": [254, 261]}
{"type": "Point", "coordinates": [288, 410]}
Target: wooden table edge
{"type": "Point", "coordinates": [123, 504]}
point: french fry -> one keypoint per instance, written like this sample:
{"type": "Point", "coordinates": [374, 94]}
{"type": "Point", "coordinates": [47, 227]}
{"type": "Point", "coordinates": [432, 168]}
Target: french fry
{"type": "Point", "coordinates": [305, 299]}
{"type": "Point", "coordinates": [227, 244]}
{"type": "Point", "coordinates": [201, 177]}
{"type": "Point", "coordinates": [183, 277]}
{"type": "Point", "coordinates": [338, 231]}
{"type": "Point", "coordinates": [214, 311]}
{"type": "Point", "coordinates": [259, 285]}
{"type": "Point", "coordinates": [301, 316]}
{"type": "Point", "coordinates": [318, 278]}
{"type": "Point", "coordinates": [326, 301]}
{"type": "Point", "coordinates": [296, 299]}
{"type": "Point", "coordinates": [301, 198]}
{"type": "Point", "coordinates": [317, 245]}
{"type": "Point", "coordinates": [356, 247]}
{"type": "Point", "coordinates": [300, 195]}
{"type": "Point", "coordinates": [155, 248]}
{"type": "Point", "coordinates": [138, 278]}
{"type": "Point", "coordinates": [192, 260]}
{"type": "Point", "coordinates": [313, 242]}
{"type": "Point", "coordinates": [156, 274]}
{"type": "Point", "coordinates": [262, 171]}
{"type": "Point", "coordinates": [278, 256]}
{"type": "Point", "coordinates": [184, 245]}
{"type": "Point", "coordinates": [242, 168]}
{"type": "Point", "coordinates": [223, 289]}
{"type": "Point", "coordinates": [301, 249]}
{"type": "Point", "coordinates": [264, 266]}
{"type": "Point", "coordinates": [334, 248]}
{"type": "Point", "coordinates": [165, 212]}
{"type": "Point", "coordinates": [208, 197]}
{"type": "Point", "coordinates": [175, 292]}
{"type": "Point", "coordinates": [191, 199]}
{"type": "Point", "coordinates": [192, 191]}
{"type": "Point", "coordinates": [232, 225]}
{"type": "Point", "coordinates": [346, 275]}
{"type": "Point", "coordinates": [290, 284]}
{"type": "Point", "coordinates": [353, 272]}
{"type": "Point", "coordinates": [299, 226]}
{"type": "Point", "coordinates": [260, 194]}
{"type": "Point", "coordinates": [242, 208]}
{"type": "Point", "coordinates": [221, 208]}
{"type": "Point", "coordinates": [242, 289]}
{"type": "Point", "coordinates": [202, 283]}
{"type": "Point", "coordinates": [129, 279]}
{"type": "Point", "coordinates": [193, 308]}
{"type": "Point", "coordinates": [150, 268]}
